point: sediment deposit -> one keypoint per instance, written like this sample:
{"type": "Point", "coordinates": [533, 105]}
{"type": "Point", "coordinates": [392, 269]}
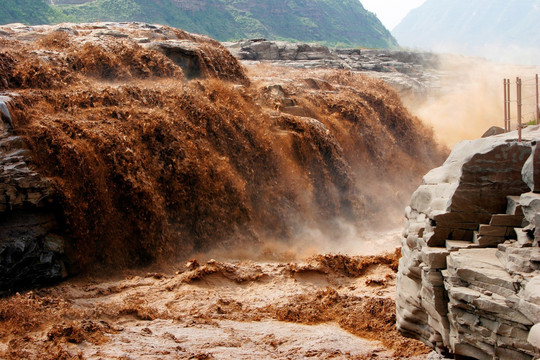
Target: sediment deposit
{"type": "Point", "coordinates": [325, 306]}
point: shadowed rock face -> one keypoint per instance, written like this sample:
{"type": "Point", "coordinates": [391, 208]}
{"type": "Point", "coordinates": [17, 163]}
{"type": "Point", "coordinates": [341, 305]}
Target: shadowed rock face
{"type": "Point", "coordinates": [183, 55]}
{"type": "Point", "coordinates": [470, 250]}
{"type": "Point", "coordinates": [31, 249]}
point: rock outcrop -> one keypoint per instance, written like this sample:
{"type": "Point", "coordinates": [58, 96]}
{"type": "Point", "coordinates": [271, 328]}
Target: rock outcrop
{"type": "Point", "coordinates": [31, 242]}
{"type": "Point", "coordinates": [406, 71]}
{"type": "Point", "coordinates": [468, 281]}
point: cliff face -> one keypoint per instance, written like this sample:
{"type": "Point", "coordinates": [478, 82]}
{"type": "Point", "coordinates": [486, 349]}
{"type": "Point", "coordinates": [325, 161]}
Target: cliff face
{"type": "Point", "coordinates": [468, 278]}
{"type": "Point", "coordinates": [409, 73]}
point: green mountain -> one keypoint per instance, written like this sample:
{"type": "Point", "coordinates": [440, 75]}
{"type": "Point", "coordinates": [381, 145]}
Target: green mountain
{"type": "Point", "coordinates": [32, 12]}
{"type": "Point", "coordinates": [330, 22]}
{"type": "Point", "coordinates": [497, 29]}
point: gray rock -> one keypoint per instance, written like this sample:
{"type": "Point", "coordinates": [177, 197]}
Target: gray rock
{"type": "Point", "coordinates": [530, 204]}
{"type": "Point", "coordinates": [182, 52]}
{"type": "Point", "coordinates": [513, 207]}
{"type": "Point", "coordinates": [5, 116]}
{"type": "Point", "coordinates": [486, 304]}
{"type": "Point", "coordinates": [534, 336]}
{"type": "Point", "coordinates": [435, 258]}
{"type": "Point", "coordinates": [494, 130]}
{"type": "Point", "coordinates": [531, 169]}
{"type": "Point", "coordinates": [405, 71]}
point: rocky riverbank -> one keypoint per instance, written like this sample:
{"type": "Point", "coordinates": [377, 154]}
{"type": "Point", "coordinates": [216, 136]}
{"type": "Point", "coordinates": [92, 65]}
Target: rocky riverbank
{"type": "Point", "coordinates": [468, 281]}
{"type": "Point", "coordinates": [409, 73]}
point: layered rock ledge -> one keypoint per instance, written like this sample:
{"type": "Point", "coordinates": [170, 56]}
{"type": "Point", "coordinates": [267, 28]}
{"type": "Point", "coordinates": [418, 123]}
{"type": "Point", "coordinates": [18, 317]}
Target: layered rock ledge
{"type": "Point", "coordinates": [408, 72]}
{"type": "Point", "coordinates": [469, 279]}
{"type": "Point", "coordinates": [31, 241]}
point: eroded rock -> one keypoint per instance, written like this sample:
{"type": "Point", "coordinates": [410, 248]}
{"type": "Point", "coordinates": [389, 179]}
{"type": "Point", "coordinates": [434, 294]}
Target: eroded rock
{"type": "Point", "coordinates": [31, 244]}
{"type": "Point", "coordinates": [468, 266]}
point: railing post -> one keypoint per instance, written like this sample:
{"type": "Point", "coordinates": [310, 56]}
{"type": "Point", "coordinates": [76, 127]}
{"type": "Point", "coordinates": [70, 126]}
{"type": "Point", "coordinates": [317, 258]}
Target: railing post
{"type": "Point", "coordinates": [537, 104]}
{"type": "Point", "coordinates": [518, 86]}
{"type": "Point", "coordinates": [505, 107]}
{"type": "Point", "coordinates": [508, 106]}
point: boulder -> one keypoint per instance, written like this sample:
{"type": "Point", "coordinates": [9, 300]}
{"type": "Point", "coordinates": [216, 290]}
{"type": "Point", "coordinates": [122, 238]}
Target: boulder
{"type": "Point", "coordinates": [494, 130]}
{"type": "Point", "coordinates": [531, 170]}
{"type": "Point", "coordinates": [534, 336]}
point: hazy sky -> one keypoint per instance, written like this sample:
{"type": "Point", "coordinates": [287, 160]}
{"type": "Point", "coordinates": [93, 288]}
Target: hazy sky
{"type": "Point", "coordinates": [391, 12]}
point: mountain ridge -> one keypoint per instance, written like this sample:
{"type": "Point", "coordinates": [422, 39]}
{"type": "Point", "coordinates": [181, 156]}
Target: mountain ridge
{"type": "Point", "coordinates": [494, 29]}
{"type": "Point", "coordinates": [342, 24]}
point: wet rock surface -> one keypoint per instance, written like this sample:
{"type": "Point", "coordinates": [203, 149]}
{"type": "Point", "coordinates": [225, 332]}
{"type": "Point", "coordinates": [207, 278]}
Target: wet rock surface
{"type": "Point", "coordinates": [470, 262]}
{"type": "Point", "coordinates": [31, 251]}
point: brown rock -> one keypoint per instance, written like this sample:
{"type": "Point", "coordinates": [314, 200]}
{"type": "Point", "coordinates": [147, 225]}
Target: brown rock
{"type": "Point", "coordinates": [506, 220]}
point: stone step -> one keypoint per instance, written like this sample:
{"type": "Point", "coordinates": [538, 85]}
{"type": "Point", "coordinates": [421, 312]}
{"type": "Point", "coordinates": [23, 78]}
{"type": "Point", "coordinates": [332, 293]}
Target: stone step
{"type": "Point", "coordinates": [454, 245]}
{"type": "Point", "coordinates": [435, 257]}
{"type": "Point", "coordinates": [516, 258]}
{"type": "Point", "coordinates": [491, 230]}
{"type": "Point", "coordinates": [506, 220]}
{"type": "Point", "coordinates": [513, 206]}
{"type": "Point", "coordinates": [487, 240]}
{"type": "Point", "coordinates": [481, 268]}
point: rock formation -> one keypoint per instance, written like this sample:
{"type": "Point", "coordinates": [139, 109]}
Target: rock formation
{"type": "Point", "coordinates": [409, 73]}
{"type": "Point", "coordinates": [469, 277]}
{"type": "Point", "coordinates": [31, 241]}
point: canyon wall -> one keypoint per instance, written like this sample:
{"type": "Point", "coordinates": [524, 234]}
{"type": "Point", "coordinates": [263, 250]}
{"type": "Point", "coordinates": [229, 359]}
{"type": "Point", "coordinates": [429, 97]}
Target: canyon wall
{"type": "Point", "coordinates": [468, 280]}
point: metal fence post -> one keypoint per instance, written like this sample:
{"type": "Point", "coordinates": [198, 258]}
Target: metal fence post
{"type": "Point", "coordinates": [537, 109]}
{"type": "Point", "coordinates": [518, 86]}
{"type": "Point", "coordinates": [505, 107]}
{"type": "Point", "coordinates": [508, 105]}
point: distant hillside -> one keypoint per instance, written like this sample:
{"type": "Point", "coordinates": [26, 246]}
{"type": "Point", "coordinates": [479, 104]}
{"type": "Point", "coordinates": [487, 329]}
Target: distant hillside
{"type": "Point", "coordinates": [497, 29]}
{"type": "Point", "coordinates": [32, 12]}
{"type": "Point", "coordinates": [330, 22]}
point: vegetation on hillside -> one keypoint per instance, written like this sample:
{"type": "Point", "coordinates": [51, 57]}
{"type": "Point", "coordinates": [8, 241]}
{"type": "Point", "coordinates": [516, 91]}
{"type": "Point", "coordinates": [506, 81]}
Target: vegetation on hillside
{"type": "Point", "coordinates": [330, 22]}
{"type": "Point", "coordinates": [31, 12]}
